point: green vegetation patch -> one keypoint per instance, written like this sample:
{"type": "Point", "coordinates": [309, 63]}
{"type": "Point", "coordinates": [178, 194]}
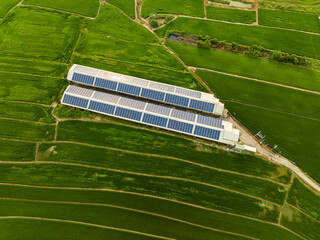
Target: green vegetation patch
{"type": "Point", "coordinates": [291, 20]}
{"type": "Point", "coordinates": [270, 38]}
{"type": "Point", "coordinates": [315, 9]}
{"type": "Point", "coordinates": [17, 151]}
{"type": "Point", "coordinates": [295, 136]}
{"type": "Point", "coordinates": [248, 66]}
{"type": "Point", "coordinates": [192, 214]}
{"type": "Point", "coordinates": [184, 7]}
{"type": "Point", "coordinates": [22, 87]}
{"type": "Point", "coordinates": [84, 7]}
{"type": "Point", "coordinates": [6, 5]}
{"type": "Point", "coordinates": [24, 34]}
{"type": "Point", "coordinates": [25, 130]}
{"type": "Point", "coordinates": [300, 2]}
{"type": "Point", "coordinates": [304, 198]}
{"type": "Point", "coordinates": [114, 23]}
{"type": "Point", "coordinates": [159, 166]}
{"type": "Point", "coordinates": [193, 193]}
{"type": "Point", "coordinates": [143, 140]}
{"type": "Point", "coordinates": [26, 111]}
{"type": "Point", "coordinates": [113, 217]}
{"type": "Point", "coordinates": [300, 223]}
{"type": "Point", "coordinates": [127, 6]}
{"type": "Point", "coordinates": [29, 229]}
{"type": "Point", "coordinates": [262, 94]}
{"type": "Point", "coordinates": [231, 15]}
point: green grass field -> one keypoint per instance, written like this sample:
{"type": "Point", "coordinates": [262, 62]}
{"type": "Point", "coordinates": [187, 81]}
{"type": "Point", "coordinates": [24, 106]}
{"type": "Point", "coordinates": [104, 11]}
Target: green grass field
{"type": "Point", "coordinates": [294, 135]}
{"type": "Point", "coordinates": [291, 20]}
{"type": "Point", "coordinates": [126, 6]}
{"type": "Point", "coordinates": [6, 5]}
{"type": "Point", "coordinates": [303, 2]}
{"type": "Point", "coordinates": [262, 94]}
{"type": "Point", "coordinates": [17, 151]}
{"type": "Point", "coordinates": [276, 39]}
{"type": "Point", "coordinates": [23, 35]}
{"type": "Point", "coordinates": [252, 67]}
{"type": "Point", "coordinates": [231, 15]}
{"type": "Point", "coordinates": [83, 7]}
{"type": "Point", "coordinates": [190, 7]}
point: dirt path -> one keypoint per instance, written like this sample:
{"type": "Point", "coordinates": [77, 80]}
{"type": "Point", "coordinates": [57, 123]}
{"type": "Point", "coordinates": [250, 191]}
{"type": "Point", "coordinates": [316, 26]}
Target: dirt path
{"type": "Point", "coordinates": [85, 223]}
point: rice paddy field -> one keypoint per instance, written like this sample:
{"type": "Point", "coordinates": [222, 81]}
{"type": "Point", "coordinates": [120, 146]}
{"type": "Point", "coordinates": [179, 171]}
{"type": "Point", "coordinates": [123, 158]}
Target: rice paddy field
{"type": "Point", "coordinates": [231, 15]}
{"type": "Point", "coordinates": [71, 174]}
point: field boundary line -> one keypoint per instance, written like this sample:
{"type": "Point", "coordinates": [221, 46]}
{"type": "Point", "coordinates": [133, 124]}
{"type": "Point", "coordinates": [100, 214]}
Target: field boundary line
{"type": "Point", "coordinates": [285, 198]}
{"type": "Point", "coordinates": [268, 108]}
{"type": "Point", "coordinates": [172, 158]}
{"type": "Point", "coordinates": [31, 103]}
{"type": "Point", "coordinates": [19, 3]}
{"type": "Point", "coordinates": [133, 210]}
{"type": "Point", "coordinates": [85, 223]}
{"type": "Point", "coordinates": [303, 212]}
{"type": "Point", "coordinates": [141, 174]}
{"type": "Point", "coordinates": [258, 80]}
{"type": "Point", "coordinates": [57, 10]}
{"type": "Point", "coordinates": [28, 121]}
{"type": "Point", "coordinates": [29, 74]}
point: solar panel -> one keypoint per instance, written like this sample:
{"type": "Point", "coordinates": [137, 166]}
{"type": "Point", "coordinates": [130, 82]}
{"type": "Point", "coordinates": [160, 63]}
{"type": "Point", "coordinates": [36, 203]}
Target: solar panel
{"type": "Point", "coordinates": [125, 88]}
{"type": "Point", "coordinates": [87, 70]}
{"type": "Point", "coordinates": [158, 109]}
{"type": "Point", "coordinates": [200, 105]}
{"type": "Point", "coordinates": [101, 107]}
{"type": "Point", "coordinates": [155, 95]}
{"type": "Point", "coordinates": [180, 126]}
{"type": "Point", "coordinates": [106, 97]}
{"type": "Point", "coordinates": [155, 120]}
{"type": "Point", "coordinates": [188, 92]}
{"type": "Point", "coordinates": [127, 113]}
{"type": "Point", "coordinates": [183, 115]}
{"type": "Point", "coordinates": [210, 121]}
{"type": "Point", "coordinates": [161, 86]}
{"type": "Point", "coordinates": [80, 91]}
{"type": "Point", "coordinates": [82, 78]}
{"type": "Point", "coordinates": [107, 84]}
{"type": "Point", "coordinates": [129, 102]}
{"type": "Point", "coordinates": [75, 101]}
{"type": "Point", "coordinates": [207, 132]}
{"type": "Point", "coordinates": [174, 99]}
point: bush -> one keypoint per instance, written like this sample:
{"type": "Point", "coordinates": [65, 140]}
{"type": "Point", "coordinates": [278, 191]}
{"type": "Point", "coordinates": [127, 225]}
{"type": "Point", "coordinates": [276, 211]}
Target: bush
{"type": "Point", "coordinates": [153, 23]}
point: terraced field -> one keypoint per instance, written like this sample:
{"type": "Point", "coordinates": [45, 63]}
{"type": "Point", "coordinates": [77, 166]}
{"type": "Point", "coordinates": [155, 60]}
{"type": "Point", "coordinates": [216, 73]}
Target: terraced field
{"type": "Point", "coordinates": [72, 174]}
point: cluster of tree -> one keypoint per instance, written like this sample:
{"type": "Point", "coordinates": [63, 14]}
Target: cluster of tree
{"type": "Point", "coordinates": [254, 50]}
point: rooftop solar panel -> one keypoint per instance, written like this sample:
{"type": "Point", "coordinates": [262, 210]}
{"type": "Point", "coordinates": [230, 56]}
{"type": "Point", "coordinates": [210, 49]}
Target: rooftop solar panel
{"type": "Point", "coordinates": [86, 70]}
{"type": "Point", "coordinates": [188, 92]}
{"type": "Point", "coordinates": [107, 97]}
{"type": "Point", "coordinates": [162, 87]}
{"type": "Point", "coordinates": [81, 78]}
{"type": "Point", "coordinates": [107, 84]}
{"type": "Point", "coordinates": [101, 107]}
{"type": "Point", "coordinates": [180, 126]}
{"type": "Point", "coordinates": [80, 91]}
{"type": "Point", "coordinates": [127, 113]}
{"type": "Point", "coordinates": [183, 115]}
{"type": "Point", "coordinates": [201, 105]}
{"type": "Point", "coordinates": [129, 102]}
{"type": "Point", "coordinates": [210, 121]}
{"type": "Point", "coordinates": [125, 88]}
{"type": "Point", "coordinates": [75, 101]}
{"type": "Point", "coordinates": [155, 120]}
{"type": "Point", "coordinates": [158, 109]}
{"type": "Point", "coordinates": [207, 132]}
{"type": "Point", "coordinates": [177, 100]}
{"type": "Point", "coordinates": [151, 94]}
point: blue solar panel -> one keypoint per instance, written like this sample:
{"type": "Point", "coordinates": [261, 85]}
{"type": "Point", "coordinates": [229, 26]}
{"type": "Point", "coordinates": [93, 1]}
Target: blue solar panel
{"type": "Point", "coordinates": [127, 113]}
{"type": "Point", "coordinates": [82, 78]}
{"type": "Point", "coordinates": [210, 121]}
{"type": "Point", "coordinates": [152, 94]}
{"type": "Point", "coordinates": [200, 105]}
{"type": "Point", "coordinates": [129, 89]}
{"type": "Point", "coordinates": [180, 126]}
{"type": "Point", "coordinates": [101, 107]}
{"type": "Point", "coordinates": [155, 120]}
{"type": "Point", "coordinates": [75, 101]}
{"type": "Point", "coordinates": [107, 84]}
{"type": "Point", "coordinates": [174, 99]}
{"type": "Point", "coordinates": [207, 132]}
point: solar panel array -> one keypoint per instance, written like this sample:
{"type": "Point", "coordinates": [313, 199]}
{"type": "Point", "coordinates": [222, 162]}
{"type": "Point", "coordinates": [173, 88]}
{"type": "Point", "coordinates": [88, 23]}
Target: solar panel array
{"type": "Point", "coordinates": [143, 112]}
{"type": "Point", "coordinates": [144, 88]}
